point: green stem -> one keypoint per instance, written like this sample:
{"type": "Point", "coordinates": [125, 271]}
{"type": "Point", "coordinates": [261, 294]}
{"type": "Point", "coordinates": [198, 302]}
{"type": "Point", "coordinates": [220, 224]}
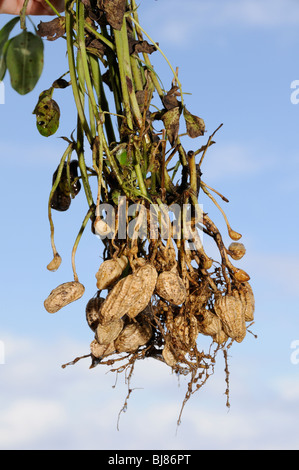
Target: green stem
{"type": "Point", "coordinates": [54, 187]}
{"type": "Point", "coordinates": [162, 53]}
{"type": "Point", "coordinates": [53, 8]}
{"type": "Point", "coordinates": [138, 81]}
{"type": "Point", "coordinates": [99, 89]}
{"type": "Point", "coordinates": [23, 14]}
{"type": "Point", "coordinates": [129, 76]}
{"type": "Point", "coordinates": [72, 69]}
{"type": "Point", "coordinates": [82, 49]}
{"type": "Point", "coordinates": [79, 236]}
{"type": "Point", "coordinates": [100, 36]}
{"type": "Point", "coordinates": [140, 180]}
{"type": "Point", "coordinates": [124, 86]}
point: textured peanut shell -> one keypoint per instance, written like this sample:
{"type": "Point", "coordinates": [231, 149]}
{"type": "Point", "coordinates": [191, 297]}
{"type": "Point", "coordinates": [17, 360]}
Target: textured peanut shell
{"type": "Point", "coordinates": [93, 309]}
{"type": "Point", "coordinates": [186, 330]}
{"type": "Point", "coordinates": [133, 336]}
{"type": "Point", "coordinates": [230, 311]}
{"type": "Point", "coordinates": [55, 263]}
{"type": "Point", "coordinates": [241, 275]}
{"type": "Point", "coordinates": [168, 356]}
{"type": "Point", "coordinates": [101, 350]}
{"type": "Point", "coordinates": [249, 301]}
{"type": "Point", "coordinates": [210, 325]}
{"type": "Point", "coordinates": [146, 277]}
{"type": "Point", "coordinates": [171, 288]}
{"type": "Point", "coordinates": [107, 333]}
{"type": "Point", "coordinates": [130, 295]}
{"type": "Point", "coordinates": [64, 295]}
{"type": "Point", "coordinates": [220, 338]}
{"type": "Point", "coordinates": [236, 250]}
{"type": "Point", "coordinates": [245, 293]}
{"type": "Point", "coordinates": [101, 228]}
{"type": "Point", "coordinates": [109, 271]}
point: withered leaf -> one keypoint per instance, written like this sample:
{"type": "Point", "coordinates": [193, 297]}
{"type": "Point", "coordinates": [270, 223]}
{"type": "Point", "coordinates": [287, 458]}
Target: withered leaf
{"type": "Point", "coordinates": [47, 114]}
{"type": "Point", "coordinates": [169, 100]}
{"type": "Point", "coordinates": [140, 47]}
{"type": "Point", "coordinates": [171, 120]}
{"type": "Point", "coordinates": [115, 10]}
{"type": "Point", "coordinates": [61, 83]}
{"type": "Point", "coordinates": [195, 125]}
{"type": "Point", "coordinates": [96, 47]}
{"type": "Point", "coordinates": [140, 96]}
{"type": "Point", "coordinates": [53, 29]}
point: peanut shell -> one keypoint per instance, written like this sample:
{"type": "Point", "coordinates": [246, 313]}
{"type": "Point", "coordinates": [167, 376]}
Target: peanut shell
{"type": "Point", "coordinates": [93, 312]}
{"type": "Point", "coordinates": [107, 333]}
{"type": "Point", "coordinates": [171, 287]}
{"type": "Point", "coordinates": [101, 350]}
{"type": "Point", "coordinates": [133, 336]}
{"type": "Point", "coordinates": [168, 356]}
{"type": "Point", "coordinates": [210, 324]}
{"type": "Point", "coordinates": [230, 311]}
{"type": "Point", "coordinates": [64, 295]}
{"type": "Point", "coordinates": [109, 271]}
{"type": "Point", "coordinates": [220, 338]}
{"type": "Point", "coordinates": [55, 263]}
{"type": "Point", "coordinates": [245, 294]}
{"type": "Point", "coordinates": [185, 329]}
{"type": "Point", "coordinates": [236, 250]}
{"type": "Point", "coordinates": [130, 295]}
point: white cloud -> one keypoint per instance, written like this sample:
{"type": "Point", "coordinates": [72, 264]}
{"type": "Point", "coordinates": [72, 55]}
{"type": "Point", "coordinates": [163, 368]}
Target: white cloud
{"type": "Point", "coordinates": [26, 421]}
{"type": "Point", "coordinates": [44, 406]}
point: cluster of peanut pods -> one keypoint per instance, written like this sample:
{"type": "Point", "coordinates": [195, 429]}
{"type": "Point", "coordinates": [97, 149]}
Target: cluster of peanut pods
{"type": "Point", "coordinates": [149, 307]}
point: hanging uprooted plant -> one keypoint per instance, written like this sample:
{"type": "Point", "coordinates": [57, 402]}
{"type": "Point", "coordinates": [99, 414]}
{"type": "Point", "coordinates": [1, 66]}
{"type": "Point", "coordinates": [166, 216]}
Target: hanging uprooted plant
{"type": "Point", "coordinates": [157, 291]}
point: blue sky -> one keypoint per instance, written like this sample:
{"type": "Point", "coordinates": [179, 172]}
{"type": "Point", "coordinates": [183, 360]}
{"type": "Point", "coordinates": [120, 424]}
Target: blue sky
{"type": "Point", "coordinates": [238, 58]}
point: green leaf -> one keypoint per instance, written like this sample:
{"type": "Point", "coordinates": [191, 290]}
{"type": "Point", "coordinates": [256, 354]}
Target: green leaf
{"type": "Point", "coordinates": [25, 61]}
{"type": "Point", "coordinates": [47, 114]}
{"type": "Point", "coordinates": [6, 30]}
{"type": "Point", "coordinates": [195, 125]}
{"type": "Point", "coordinates": [122, 157]}
{"type": "Point", "coordinates": [4, 42]}
{"type": "Point", "coordinates": [3, 67]}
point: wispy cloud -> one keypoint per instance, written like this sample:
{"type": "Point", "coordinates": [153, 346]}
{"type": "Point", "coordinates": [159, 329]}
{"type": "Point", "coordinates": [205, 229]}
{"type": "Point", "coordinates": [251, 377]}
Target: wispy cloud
{"type": "Point", "coordinates": [46, 407]}
{"type": "Point", "coordinates": [183, 21]}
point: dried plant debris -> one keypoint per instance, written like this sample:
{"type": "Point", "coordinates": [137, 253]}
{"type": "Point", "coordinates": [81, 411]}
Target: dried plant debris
{"type": "Point", "coordinates": [52, 30]}
{"type": "Point", "coordinates": [157, 293]}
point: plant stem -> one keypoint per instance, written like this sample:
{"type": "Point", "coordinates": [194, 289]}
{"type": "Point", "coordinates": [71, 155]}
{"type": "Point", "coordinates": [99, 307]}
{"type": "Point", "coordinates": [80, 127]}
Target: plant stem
{"type": "Point", "coordinates": [53, 8]}
{"type": "Point", "coordinates": [192, 170]}
{"type": "Point", "coordinates": [100, 36]}
{"type": "Point", "coordinates": [99, 89]}
{"type": "Point", "coordinates": [23, 14]}
{"type": "Point", "coordinates": [54, 187]}
{"type": "Point", "coordinates": [162, 53]}
{"type": "Point", "coordinates": [125, 94]}
{"type": "Point", "coordinates": [79, 236]}
{"type": "Point", "coordinates": [69, 23]}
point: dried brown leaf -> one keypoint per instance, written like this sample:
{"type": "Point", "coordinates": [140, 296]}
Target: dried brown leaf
{"type": "Point", "coordinates": [170, 99]}
{"type": "Point", "coordinates": [195, 125]}
{"type": "Point", "coordinates": [137, 47]}
{"type": "Point", "coordinates": [53, 29]}
{"type": "Point", "coordinates": [171, 120]}
{"type": "Point", "coordinates": [115, 10]}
